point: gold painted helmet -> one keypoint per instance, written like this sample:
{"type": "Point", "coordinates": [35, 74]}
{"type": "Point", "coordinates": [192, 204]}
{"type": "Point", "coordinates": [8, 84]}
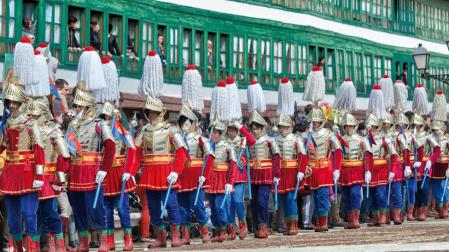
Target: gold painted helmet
{"type": "Point", "coordinates": [83, 97]}
{"type": "Point", "coordinates": [437, 125]}
{"type": "Point", "coordinates": [388, 119]}
{"type": "Point", "coordinates": [349, 120]}
{"type": "Point", "coordinates": [401, 119]}
{"type": "Point", "coordinates": [255, 117]}
{"type": "Point", "coordinates": [108, 109]}
{"type": "Point", "coordinates": [37, 107]}
{"type": "Point", "coordinates": [285, 120]}
{"type": "Point", "coordinates": [317, 115]}
{"type": "Point", "coordinates": [218, 125]}
{"type": "Point", "coordinates": [372, 121]}
{"type": "Point", "coordinates": [154, 104]}
{"type": "Point", "coordinates": [14, 91]}
{"type": "Point", "coordinates": [418, 120]}
{"type": "Point", "coordinates": [187, 112]}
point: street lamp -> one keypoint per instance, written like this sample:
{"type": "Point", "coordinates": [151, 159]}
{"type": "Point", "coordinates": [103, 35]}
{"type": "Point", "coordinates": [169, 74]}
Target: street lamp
{"type": "Point", "coordinates": [421, 57]}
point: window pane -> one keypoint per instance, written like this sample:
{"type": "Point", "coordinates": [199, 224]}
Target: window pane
{"type": "Point", "coordinates": [11, 28]}
{"type": "Point", "coordinates": [3, 27]}
{"type": "Point", "coordinates": [47, 32]}
{"type": "Point", "coordinates": [173, 45]}
{"type": "Point", "coordinates": [57, 34]}
{"type": "Point", "coordinates": [223, 48]}
{"type": "Point", "coordinates": [2, 7]}
{"type": "Point", "coordinates": [57, 14]}
{"type": "Point", "coordinates": [198, 48]}
{"type": "Point", "coordinates": [186, 47]}
{"type": "Point", "coordinates": [48, 13]}
{"type": "Point", "coordinates": [11, 8]}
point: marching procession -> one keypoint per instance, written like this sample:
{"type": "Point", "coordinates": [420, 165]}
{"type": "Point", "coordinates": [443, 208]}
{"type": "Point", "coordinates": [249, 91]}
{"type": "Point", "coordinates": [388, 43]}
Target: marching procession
{"type": "Point", "coordinates": [390, 167]}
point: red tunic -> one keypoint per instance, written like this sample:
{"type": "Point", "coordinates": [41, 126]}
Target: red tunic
{"type": "Point", "coordinates": [83, 170]}
{"type": "Point", "coordinates": [440, 165]}
{"type": "Point", "coordinates": [157, 167]}
{"type": "Point", "coordinates": [322, 170]}
{"type": "Point", "coordinates": [242, 176]}
{"type": "Point", "coordinates": [19, 169]}
{"type": "Point", "coordinates": [49, 178]}
{"type": "Point", "coordinates": [353, 171]}
{"type": "Point", "coordinates": [113, 181]}
{"type": "Point", "coordinates": [221, 174]}
{"type": "Point", "coordinates": [423, 159]}
{"type": "Point", "coordinates": [289, 172]}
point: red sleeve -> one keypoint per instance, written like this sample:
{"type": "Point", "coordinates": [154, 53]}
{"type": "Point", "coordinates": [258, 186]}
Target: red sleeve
{"type": "Point", "coordinates": [208, 168]}
{"type": "Point", "coordinates": [393, 163]}
{"type": "Point", "coordinates": [2, 148]}
{"type": "Point", "coordinates": [138, 158]}
{"type": "Point", "coordinates": [181, 156]}
{"type": "Point", "coordinates": [338, 155]}
{"type": "Point", "coordinates": [276, 166]}
{"type": "Point", "coordinates": [62, 164]}
{"type": "Point", "coordinates": [109, 152]}
{"type": "Point", "coordinates": [368, 161]}
{"type": "Point", "coordinates": [130, 160]}
{"type": "Point", "coordinates": [232, 168]}
{"type": "Point", "coordinates": [420, 154]}
{"type": "Point", "coordinates": [250, 139]}
{"type": "Point", "coordinates": [39, 155]}
{"type": "Point", "coordinates": [435, 155]}
{"type": "Point", "coordinates": [406, 156]}
{"type": "Point", "coordinates": [302, 162]}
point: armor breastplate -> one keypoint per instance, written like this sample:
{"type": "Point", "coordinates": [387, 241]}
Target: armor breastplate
{"type": "Point", "coordinates": [356, 148]}
{"type": "Point", "coordinates": [260, 150]}
{"type": "Point", "coordinates": [443, 145]}
{"type": "Point", "coordinates": [378, 149]}
{"type": "Point", "coordinates": [234, 143]}
{"type": "Point", "coordinates": [193, 145]}
{"type": "Point", "coordinates": [321, 139]}
{"type": "Point", "coordinates": [87, 136]}
{"type": "Point", "coordinates": [156, 140]}
{"type": "Point", "coordinates": [288, 149]}
{"type": "Point", "coordinates": [221, 152]}
{"type": "Point", "coordinates": [18, 135]}
{"type": "Point", "coordinates": [50, 146]}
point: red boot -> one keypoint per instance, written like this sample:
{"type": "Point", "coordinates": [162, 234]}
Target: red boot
{"type": "Point", "coordinates": [286, 226]}
{"type": "Point", "coordinates": [223, 235]}
{"type": "Point", "coordinates": [103, 241]}
{"type": "Point", "coordinates": [205, 234]}
{"type": "Point", "coordinates": [421, 214]}
{"type": "Point", "coordinates": [356, 219]}
{"type": "Point", "coordinates": [51, 243]}
{"type": "Point", "coordinates": [128, 242]}
{"type": "Point", "coordinates": [18, 246]}
{"type": "Point", "coordinates": [216, 235]}
{"type": "Point", "coordinates": [410, 216]}
{"type": "Point", "coordinates": [375, 223]}
{"type": "Point", "coordinates": [84, 242]}
{"type": "Point", "coordinates": [322, 227]}
{"type": "Point", "coordinates": [175, 236]}
{"type": "Point", "coordinates": [59, 241]}
{"type": "Point", "coordinates": [293, 227]}
{"type": "Point", "coordinates": [185, 233]}
{"type": "Point", "coordinates": [397, 216]}
{"type": "Point", "coordinates": [387, 217]}
{"type": "Point", "coordinates": [111, 240]}
{"type": "Point", "coordinates": [231, 232]}
{"type": "Point", "coordinates": [444, 211]}
{"type": "Point", "coordinates": [350, 218]}
{"type": "Point", "coordinates": [262, 232]}
{"type": "Point", "coordinates": [161, 238]}
{"type": "Point", "coordinates": [32, 246]}
{"type": "Point", "coordinates": [243, 230]}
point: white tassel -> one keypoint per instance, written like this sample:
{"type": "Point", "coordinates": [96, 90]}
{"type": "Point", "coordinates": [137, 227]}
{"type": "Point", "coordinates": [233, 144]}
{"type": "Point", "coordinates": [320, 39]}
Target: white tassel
{"type": "Point", "coordinates": [256, 98]}
{"type": "Point", "coordinates": [191, 84]}
{"type": "Point", "coordinates": [152, 79]}
{"type": "Point", "coordinates": [41, 84]}
{"type": "Point", "coordinates": [315, 87]}
{"type": "Point", "coordinates": [90, 70]}
{"type": "Point", "coordinates": [346, 96]}
{"type": "Point", "coordinates": [23, 61]}
{"type": "Point", "coordinates": [388, 91]}
{"type": "Point", "coordinates": [286, 102]}
{"type": "Point", "coordinates": [220, 109]}
{"type": "Point", "coordinates": [400, 96]}
{"type": "Point", "coordinates": [420, 100]}
{"type": "Point", "coordinates": [235, 107]}
{"type": "Point", "coordinates": [376, 103]}
{"type": "Point", "coordinates": [44, 49]}
{"type": "Point", "coordinates": [111, 93]}
{"type": "Point", "coordinates": [439, 107]}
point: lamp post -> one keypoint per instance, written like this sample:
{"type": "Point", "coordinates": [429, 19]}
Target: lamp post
{"type": "Point", "coordinates": [421, 57]}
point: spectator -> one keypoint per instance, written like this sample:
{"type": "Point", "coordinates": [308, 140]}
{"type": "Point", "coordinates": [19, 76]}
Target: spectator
{"type": "Point", "coordinates": [73, 25]}
{"type": "Point", "coordinates": [403, 77]}
{"type": "Point", "coordinates": [112, 42]}
{"type": "Point", "coordinates": [60, 107]}
{"type": "Point", "coordinates": [28, 29]}
{"type": "Point", "coordinates": [130, 53]}
{"type": "Point", "coordinates": [160, 49]}
{"type": "Point", "coordinates": [210, 54]}
{"type": "Point", "coordinates": [95, 39]}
